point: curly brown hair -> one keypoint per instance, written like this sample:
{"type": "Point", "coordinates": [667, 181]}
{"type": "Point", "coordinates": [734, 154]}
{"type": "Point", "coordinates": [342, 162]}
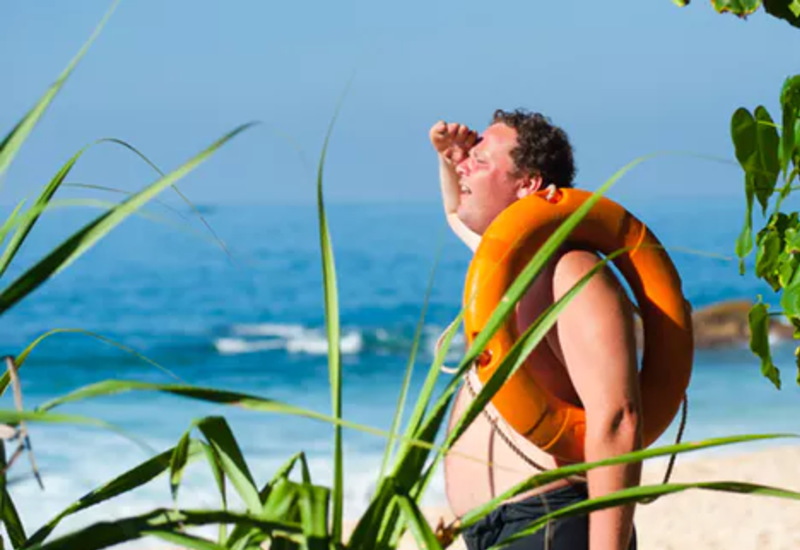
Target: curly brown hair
{"type": "Point", "coordinates": [543, 149]}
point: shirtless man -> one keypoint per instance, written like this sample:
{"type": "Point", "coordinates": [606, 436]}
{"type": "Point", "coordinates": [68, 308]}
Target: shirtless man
{"type": "Point", "coordinates": [588, 358]}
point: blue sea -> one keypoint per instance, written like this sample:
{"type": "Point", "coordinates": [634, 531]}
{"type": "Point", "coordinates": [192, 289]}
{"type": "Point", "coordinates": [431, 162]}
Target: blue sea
{"type": "Point", "coordinates": [253, 321]}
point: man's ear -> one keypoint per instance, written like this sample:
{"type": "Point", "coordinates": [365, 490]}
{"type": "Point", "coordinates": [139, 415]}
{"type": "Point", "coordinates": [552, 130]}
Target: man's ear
{"type": "Point", "coordinates": [530, 185]}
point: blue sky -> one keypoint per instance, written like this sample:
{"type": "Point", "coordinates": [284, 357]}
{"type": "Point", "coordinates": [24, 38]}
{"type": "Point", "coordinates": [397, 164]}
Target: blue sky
{"type": "Point", "coordinates": [624, 79]}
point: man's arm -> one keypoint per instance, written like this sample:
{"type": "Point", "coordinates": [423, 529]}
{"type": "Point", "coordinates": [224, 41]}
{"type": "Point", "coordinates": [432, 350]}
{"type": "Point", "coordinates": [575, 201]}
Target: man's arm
{"type": "Point", "coordinates": [452, 143]}
{"type": "Point", "coordinates": [596, 336]}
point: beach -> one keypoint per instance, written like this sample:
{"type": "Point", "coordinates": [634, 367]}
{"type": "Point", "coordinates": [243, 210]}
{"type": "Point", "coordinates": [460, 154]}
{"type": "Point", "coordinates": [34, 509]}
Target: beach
{"type": "Point", "coordinates": [710, 519]}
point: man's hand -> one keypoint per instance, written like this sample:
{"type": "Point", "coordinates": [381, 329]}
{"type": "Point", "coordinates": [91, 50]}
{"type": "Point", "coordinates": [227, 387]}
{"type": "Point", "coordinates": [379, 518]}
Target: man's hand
{"type": "Point", "coordinates": [452, 141]}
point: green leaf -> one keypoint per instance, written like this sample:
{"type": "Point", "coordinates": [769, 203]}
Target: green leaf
{"type": "Point", "coordinates": [756, 143]}
{"type": "Point", "coordinates": [681, 3]}
{"type": "Point", "coordinates": [11, 521]}
{"type": "Point", "coordinates": [744, 242]}
{"type": "Point", "coordinates": [758, 319]}
{"type": "Point", "coordinates": [23, 356]}
{"type": "Point", "coordinates": [313, 502]}
{"type": "Point", "coordinates": [8, 512]}
{"type": "Point", "coordinates": [218, 473]}
{"type": "Point", "coordinates": [768, 254]}
{"type": "Point", "coordinates": [130, 480]}
{"type": "Point", "coordinates": [332, 330]}
{"type": "Point", "coordinates": [797, 363]}
{"type": "Point", "coordinates": [739, 8]}
{"type": "Point", "coordinates": [210, 395]}
{"type": "Point", "coordinates": [47, 194]}
{"type": "Point", "coordinates": [788, 10]}
{"type": "Point", "coordinates": [401, 400]}
{"type": "Point", "coordinates": [420, 528]}
{"type": "Point", "coordinates": [790, 300]}
{"type": "Point", "coordinates": [108, 533]}
{"type": "Point", "coordinates": [10, 146]}
{"type": "Point", "coordinates": [792, 238]}
{"type": "Point", "coordinates": [222, 441]}
{"type": "Point", "coordinates": [175, 188]}
{"type": "Point", "coordinates": [768, 169]}
{"type": "Point", "coordinates": [219, 478]}
{"type": "Point", "coordinates": [240, 534]}
{"type": "Point", "coordinates": [282, 500]}
{"type": "Point", "coordinates": [790, 104]}
{"type": "Point", "coordinates": [84, 239]}
{"type": "Point", "coordinates": [41, 204]}
{"type": "Point", "coordinates": [177, 463]}
{"type": "Point", "coordinates": [11, 220]}
{"type": "Point", "coordinates": [787, 267]}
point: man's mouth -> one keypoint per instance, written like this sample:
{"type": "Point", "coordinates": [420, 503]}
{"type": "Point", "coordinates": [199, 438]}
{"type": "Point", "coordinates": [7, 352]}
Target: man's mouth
{"type": "Point", "coordinates": [465, 190]}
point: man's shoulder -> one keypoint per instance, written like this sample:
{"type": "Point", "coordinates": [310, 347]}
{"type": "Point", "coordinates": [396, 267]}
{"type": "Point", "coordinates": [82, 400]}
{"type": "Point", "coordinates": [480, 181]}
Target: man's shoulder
{"type": "Point", "coordinates": [574, 264]}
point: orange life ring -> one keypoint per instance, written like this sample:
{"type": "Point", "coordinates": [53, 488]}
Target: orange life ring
{"type": "Point", "coordinates": [510, 241]}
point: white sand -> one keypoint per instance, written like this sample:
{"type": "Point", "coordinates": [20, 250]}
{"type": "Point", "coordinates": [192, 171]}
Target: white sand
{"type": "Point", "coordinates": [709, 520]}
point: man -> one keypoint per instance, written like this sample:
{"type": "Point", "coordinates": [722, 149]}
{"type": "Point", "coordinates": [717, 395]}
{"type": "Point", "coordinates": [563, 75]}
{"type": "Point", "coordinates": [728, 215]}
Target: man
{"type": "Point", "coordinates": [588, 358]}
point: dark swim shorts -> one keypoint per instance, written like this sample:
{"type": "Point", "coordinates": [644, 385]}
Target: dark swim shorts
{"type": "Point", "coordinates": [565, 534]}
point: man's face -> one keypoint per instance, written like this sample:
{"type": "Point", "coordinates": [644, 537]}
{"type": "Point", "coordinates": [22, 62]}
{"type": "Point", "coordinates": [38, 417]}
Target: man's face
{"type": "Point", "coordinates": [488, 183]}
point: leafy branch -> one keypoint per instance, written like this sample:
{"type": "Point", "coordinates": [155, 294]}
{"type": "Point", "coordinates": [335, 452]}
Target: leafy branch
{"type": "Point", "coordinates": [769, 156]}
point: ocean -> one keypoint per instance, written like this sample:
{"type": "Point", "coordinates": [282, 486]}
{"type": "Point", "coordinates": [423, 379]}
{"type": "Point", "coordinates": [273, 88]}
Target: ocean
{"type": "Point", "coordinates": [254, 322]}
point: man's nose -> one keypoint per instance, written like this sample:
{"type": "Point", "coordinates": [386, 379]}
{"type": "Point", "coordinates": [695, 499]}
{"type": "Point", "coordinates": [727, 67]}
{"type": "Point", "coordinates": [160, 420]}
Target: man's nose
{"type": "Point", "coordinates": [462, 168]}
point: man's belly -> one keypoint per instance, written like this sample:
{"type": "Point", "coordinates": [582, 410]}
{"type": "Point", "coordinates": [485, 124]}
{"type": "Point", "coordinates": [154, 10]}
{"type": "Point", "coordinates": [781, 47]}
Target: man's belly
{"type": "Point", "coordinates": [488, 460]}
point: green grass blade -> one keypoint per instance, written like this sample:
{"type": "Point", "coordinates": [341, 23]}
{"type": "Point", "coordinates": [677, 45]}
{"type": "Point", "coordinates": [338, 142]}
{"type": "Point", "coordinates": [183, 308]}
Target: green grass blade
{"type": "Point", "coordinates": [117, 191]}
{"type": "Point", "coordinates": [24, 228]}
{"type": "Point", "coordinates": [14, 140]}
{"type": "Point", "coordinates": [130, 480]}
{"type": "Point", "coordinates": [108, 533]}
{"type": "Point", "coordinates": [222, 441]}
{"type": "Point", "coordinates": [11, 221]}
{"type": "Point", "coordinates": [23, 356]}
{"type": "Point", "coordinates": [211, 395]}
{"type": "Point", "coordinates": [81, 241]}
{"type": "Point", "coordinates": [332, 330]}
{"type": "Point", "coordinates": [37, 210]}
{"type": "Point", "coordinates": [282, 500]}
{"type": "Point", "coordinates": [218, 473]}
{"type": "Point", "coordinates": [41, 203]}
{"type": "Point", "coordinates": [574, 469]}
{"type": "Point", "coordinates": [178, 462]}
{"type": "Point", "coordinates": [219, 478]}
{"type": "Point", "coordinates": [11, 520]}
{"type": "Point", "coordinates": [186, 541]}
{"type": "Point", "coordinates": [284, 471]}
{"type": "Point", "coordinates": [313, 502]}
{"type": "Point", "coordinates": [420, 528]}
{"type": "Point", "coordinates": [401, 400]}
{"type": "Point", "coordinates": [8, 512]}
{"type": "Point", "coordinates": [647, 492]}
{"type": "Point", "coordinates": [281, 475]}
{"type": "Point", "coordinates": [368, 526]}
{"type": "Point", "coordinates": [178, 192]}
{"type": "Point", "coordinates": [428, 387]}
{"type": "Point", "coordinates": [14, 417]}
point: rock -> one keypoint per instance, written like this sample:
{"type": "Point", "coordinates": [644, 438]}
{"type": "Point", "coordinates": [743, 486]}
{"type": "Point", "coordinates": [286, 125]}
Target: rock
{"type": "Point", "coordinates": [725, 324]}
